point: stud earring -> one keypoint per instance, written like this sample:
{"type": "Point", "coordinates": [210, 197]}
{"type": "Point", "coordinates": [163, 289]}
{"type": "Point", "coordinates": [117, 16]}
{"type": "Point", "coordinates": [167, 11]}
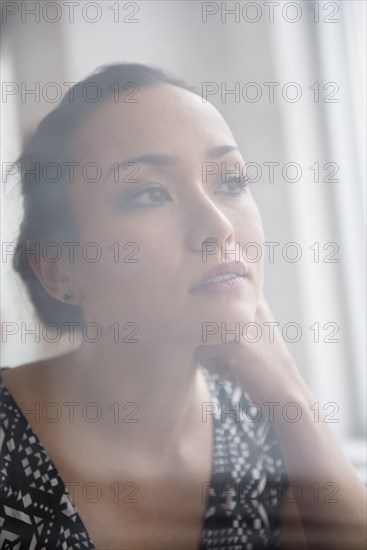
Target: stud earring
{"type": "Point", "coordinates": [68, 296]}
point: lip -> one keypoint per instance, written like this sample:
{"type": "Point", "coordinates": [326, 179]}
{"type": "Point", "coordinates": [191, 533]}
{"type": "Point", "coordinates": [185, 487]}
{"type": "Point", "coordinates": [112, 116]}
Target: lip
{"type": "Point", "coordinates": [237, 269]}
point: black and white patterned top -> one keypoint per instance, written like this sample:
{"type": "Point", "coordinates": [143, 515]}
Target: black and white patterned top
{"type": "Point", "coordinates": [242, 500]}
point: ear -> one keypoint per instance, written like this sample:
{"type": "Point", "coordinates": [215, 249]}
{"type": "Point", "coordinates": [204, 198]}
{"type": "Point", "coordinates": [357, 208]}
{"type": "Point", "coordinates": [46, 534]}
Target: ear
{"type": "Point", "coordinates": [53, 276]}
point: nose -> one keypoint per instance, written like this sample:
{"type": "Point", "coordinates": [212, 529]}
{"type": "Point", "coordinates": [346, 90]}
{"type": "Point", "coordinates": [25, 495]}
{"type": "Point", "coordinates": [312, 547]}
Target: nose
{"type": "Point", "coordinates": [208, 224]}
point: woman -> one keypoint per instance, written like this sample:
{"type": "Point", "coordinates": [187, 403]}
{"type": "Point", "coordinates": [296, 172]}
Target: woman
{"type": "Point", "coordinates": [152, 441]}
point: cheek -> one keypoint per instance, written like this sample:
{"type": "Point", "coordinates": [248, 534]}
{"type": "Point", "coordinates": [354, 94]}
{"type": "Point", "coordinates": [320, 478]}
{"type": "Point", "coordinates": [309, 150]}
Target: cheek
{"type": "Point", "coordinates": [138, 298]}
{"type": "Point", "coordinates": [128, 279]}
{"type": "Point", "coordinates": [249, 231]}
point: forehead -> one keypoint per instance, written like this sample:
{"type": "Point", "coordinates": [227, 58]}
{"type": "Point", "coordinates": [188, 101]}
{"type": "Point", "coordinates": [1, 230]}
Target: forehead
{"type": "Point", "coordinates": [164, 119]}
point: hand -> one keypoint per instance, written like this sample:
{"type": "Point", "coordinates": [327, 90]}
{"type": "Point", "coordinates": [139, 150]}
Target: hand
{"type": "Point", "coordinates": [263, 368]}
{"type": "Point", "coordinates": [267, 372]}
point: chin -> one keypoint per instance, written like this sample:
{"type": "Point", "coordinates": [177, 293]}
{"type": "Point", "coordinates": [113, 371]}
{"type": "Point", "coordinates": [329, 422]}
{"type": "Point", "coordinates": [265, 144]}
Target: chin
{"type": "Point", "coordinates": [220, 323]}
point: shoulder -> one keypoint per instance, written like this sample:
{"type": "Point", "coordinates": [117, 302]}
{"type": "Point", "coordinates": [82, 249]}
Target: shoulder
{"type": "Point", "coordinates": [32, 381]}
{"type": "Point", "coordinates": [34, 502]}
{"type": "Point", "coordinates": [12, 422]}
{"type": "Point", "coordinates": [15, 386]}
{"type": "Point", "coordinates": [21, 450]}
{"type": "Point", "coordinates": [21, 389]}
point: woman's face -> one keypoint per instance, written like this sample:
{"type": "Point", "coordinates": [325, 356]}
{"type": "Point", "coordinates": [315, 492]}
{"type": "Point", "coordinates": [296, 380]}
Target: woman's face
{"type": "Point", "coordinates": [148, 282]}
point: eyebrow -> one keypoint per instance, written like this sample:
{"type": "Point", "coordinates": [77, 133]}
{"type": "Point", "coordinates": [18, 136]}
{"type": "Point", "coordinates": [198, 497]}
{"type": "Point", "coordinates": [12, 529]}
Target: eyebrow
{"type": "Point", "coordinates": [170, 160]}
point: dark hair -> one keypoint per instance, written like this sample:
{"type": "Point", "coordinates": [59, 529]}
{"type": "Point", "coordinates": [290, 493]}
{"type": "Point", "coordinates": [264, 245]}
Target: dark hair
{"type": "Point", "coordinates": [47, 213]}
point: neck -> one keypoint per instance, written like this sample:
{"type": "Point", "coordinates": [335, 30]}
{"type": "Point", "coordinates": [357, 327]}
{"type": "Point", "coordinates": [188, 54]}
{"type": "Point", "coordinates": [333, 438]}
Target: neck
{"type": "Point", "coordinates": [151, 395]}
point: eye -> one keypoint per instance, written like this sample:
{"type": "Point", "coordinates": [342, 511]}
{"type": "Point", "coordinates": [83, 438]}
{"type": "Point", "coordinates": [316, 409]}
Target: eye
{"type": "Point", "coordinates": [153, 195]}
{"type": "Point", "coordinates": [236, 184]}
